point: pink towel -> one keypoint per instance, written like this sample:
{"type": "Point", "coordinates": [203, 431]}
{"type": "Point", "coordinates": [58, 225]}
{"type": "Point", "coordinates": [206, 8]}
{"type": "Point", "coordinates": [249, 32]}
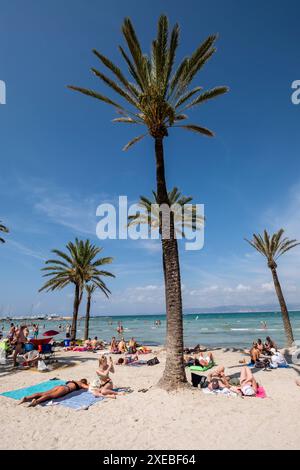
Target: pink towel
{"type": "Point", "coordinates": [261, 393]}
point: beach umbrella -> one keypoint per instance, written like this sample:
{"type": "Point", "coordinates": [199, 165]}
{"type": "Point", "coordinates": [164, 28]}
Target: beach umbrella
{"type": "Point", "coordinates": [51, 333]}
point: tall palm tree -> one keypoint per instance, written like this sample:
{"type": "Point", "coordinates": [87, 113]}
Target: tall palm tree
{"type": "Point", "coordinates": [3, 229]}
{"type": "Point", "coordinates": [184, 214]}
{"type": "Point", "coordinates": [272, 247]}
{"type": "Point", "coordinates": [90, 289]}
{"type": "Point", "coordinates": [77, 266]}
{"type": "Point", "coordinates": [157, 99]}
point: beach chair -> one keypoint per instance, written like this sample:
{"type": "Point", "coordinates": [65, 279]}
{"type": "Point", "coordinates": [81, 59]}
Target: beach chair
{"type": "Point", "coordinates": [47, 352]}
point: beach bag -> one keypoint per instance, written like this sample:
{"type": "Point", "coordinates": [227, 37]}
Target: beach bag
{"type": "Point", "coordinates": [199, 381]}
{"type": "Point", "coordinates": [153, 362]}
{"type": "Point", "coordinates": [42, 366]}
{"type": "Point", "coordinates": [2, 357]}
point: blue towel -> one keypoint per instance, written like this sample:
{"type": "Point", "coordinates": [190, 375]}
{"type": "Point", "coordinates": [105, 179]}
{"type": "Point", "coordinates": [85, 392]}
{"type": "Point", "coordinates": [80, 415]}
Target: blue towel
{"type": "Point", "coordinates": [38, 388]}
{"type": "Point", "coordinates": [78, 400]}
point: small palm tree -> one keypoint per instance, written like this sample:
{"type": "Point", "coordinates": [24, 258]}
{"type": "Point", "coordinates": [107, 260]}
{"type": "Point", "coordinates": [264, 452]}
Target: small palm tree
{"type": "Point", "coordinates": [157, 99]}
{"type": "Point", "coordinates": [77, 267]}
{"type": "Point", "coordinates": [3, 229]}
{"type": "Point", "coordinates": [272, 247]}
{"type": "Point", "coordinates": [184, 214]}
{"type": "Point", "coordinates": [90, 288]}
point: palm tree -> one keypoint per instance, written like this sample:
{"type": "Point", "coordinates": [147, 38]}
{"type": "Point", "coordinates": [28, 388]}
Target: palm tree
{"type": "Point", "coordinates": [157, 100]}
{"type": "Point", "coordinates": [90, 289]}
{"type": "Point", "coordinates": [3, 229]}
{"type": "Point", "coordinates": [185, 214]}
{"type": "Point", "coordinates": [272, 248]}
{"type": "Point", "coordinates": [77, 266]}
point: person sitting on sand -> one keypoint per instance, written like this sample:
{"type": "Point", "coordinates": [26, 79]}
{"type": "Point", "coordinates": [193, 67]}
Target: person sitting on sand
{"type": "Point", "coordinates": [277, 359]}
{"type": "Point", "coordinates": [113, 345]}
{"type": "Point", "coordinates": [132, 346]}
{"type": "Point", "coordinates": [103, 386]}
{"type": "Point", "coordinates": [218, 376]}
{"type": "Point", "coordinates": [96, 344]}
{"type": "Point", "coordinates": [56, 392]}
{"type": "Point", "coordinates": [88, 343]}
{"type": "Point", "coordinates": [269, 344]}
{"type": "Point", "coordinates": [254, 353]}
{"type": "Point", "coordinates": [248, 385]}
{"type": "Point", "coordinates": [260, 345]}
{"type": "Point", "coordinates": [122, 348]}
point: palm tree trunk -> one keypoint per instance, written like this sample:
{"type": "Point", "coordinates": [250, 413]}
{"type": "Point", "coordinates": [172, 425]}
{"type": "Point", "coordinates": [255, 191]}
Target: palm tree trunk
{"type": "Point", "coordinates": [75, 312]}
{"type": "Point", "coordinates": [87, 317]}
{"type": "Point", "coordinates": [174, 373]}
{"type": "Point", "coordinates": [284, 311]}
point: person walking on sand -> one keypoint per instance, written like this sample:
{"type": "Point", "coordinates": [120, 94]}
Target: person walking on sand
{"type": "Point", "coordinates": [19, 340]}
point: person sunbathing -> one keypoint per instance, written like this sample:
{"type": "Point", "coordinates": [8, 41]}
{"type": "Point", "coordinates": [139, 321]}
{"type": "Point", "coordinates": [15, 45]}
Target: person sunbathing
{"type": "Point", "coordinates": [113, 345]}
{"type": "Point", "coordinates": [218, 376]}
{"type": "Point", "coordinates": [56, 392]}
{"type": "Point", "coordinates": [96, 344]}
{"type": "Point", "coordinates": [103, 385]}
{"type": "Point", "coordinates": [260, 345]}
{"type": "Point", "coordinates": [204, 361]}
{"type": "Point", "coordinates": [269, 344]}
{"type": "Point", "coordinates": [132, 346]}
{"type": "Point", "coordinates": [254, 353]}
{"type": "Point", "coordinates": [122, 348]}
{"type": "Point", "coordinates": [88, 343]}
{"type": "Point", "coordinates": [127, 360]}
{"type": "Point", "coordinates": [277, 359]}
{"type": "Point", "coordinates": [248, 385]}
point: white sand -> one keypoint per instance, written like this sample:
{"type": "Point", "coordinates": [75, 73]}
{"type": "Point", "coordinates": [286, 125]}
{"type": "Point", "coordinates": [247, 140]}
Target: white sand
{"type": "Point", "coordinates": [156, 419]}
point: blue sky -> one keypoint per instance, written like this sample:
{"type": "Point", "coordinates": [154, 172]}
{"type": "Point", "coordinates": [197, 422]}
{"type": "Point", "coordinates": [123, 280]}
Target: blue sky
{"type": "Point", "coordinates": [61, 155]}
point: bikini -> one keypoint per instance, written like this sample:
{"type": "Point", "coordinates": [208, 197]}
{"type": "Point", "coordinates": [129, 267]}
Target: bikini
{"type": "Point", "coordinates": [72, 382]}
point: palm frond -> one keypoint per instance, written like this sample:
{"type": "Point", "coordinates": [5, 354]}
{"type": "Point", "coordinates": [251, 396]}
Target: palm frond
{"type": "Point", "coordinates": [133, 141]}
{"type": "Point", "coordinates": [197, 129]}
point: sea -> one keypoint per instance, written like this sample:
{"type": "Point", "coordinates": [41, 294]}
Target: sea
{"type": "Point", "coordinates": [212, 329]}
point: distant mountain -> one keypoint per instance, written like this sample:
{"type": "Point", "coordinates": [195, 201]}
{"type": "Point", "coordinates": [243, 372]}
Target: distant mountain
{"type": "Point", "coordinates": [240, 309]}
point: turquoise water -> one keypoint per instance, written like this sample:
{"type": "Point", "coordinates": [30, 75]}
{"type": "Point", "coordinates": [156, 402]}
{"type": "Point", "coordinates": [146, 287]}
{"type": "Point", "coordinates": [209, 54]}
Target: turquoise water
{"type": "Point", "coordinates": [212, 330]}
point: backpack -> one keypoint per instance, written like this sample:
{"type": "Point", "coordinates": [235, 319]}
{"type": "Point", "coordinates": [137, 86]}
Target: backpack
{"type": "Point", "coordinates": [199, 380]}
{"type": "Point", "coordinates": [152, 362]}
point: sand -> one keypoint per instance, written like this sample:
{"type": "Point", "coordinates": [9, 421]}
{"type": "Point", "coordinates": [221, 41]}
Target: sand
{"type": "Point", "coordinates": [155, 419]}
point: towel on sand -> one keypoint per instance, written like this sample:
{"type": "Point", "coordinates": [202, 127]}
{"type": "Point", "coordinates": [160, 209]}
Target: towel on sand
{"type": "Point", "coordinates": [78, 400]}
{"type": "Point", "coordinates": [38, 388]}
{"type": "Point", "coordinates": [261, 393]}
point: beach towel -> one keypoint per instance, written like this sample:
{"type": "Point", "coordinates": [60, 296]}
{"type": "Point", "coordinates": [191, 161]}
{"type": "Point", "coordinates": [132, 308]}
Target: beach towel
{"type": "Point", "coordinates": [220, 391]}
{"type": "Point", "coordinates": [261, 393]}
{"type": "Point", "coordinates": [202, 368]}
{"type": "Point", "coordinates": [280, 366]}
{"type": "Point", "coordinates": [38, 388]}
{"type": "Point", "coordinates": [78, 400]}
{"type": "Point", "coordinates": [137, 363]}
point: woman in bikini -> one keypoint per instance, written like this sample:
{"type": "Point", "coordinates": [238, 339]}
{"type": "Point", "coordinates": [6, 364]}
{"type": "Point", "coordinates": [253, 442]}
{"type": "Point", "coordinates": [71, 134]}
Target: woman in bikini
{"type": "Point", "coordinates": [103, 385]}
{"type": "Point", "coordinates": [56, 392]}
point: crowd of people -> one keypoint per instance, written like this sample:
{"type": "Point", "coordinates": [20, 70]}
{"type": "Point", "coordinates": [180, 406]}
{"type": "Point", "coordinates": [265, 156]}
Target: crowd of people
{"type": "Point", "coordinates": [266, 355]}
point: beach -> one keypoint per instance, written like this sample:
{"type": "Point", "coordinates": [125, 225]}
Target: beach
{"type": "Point", "coordinates": [187, 419]}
